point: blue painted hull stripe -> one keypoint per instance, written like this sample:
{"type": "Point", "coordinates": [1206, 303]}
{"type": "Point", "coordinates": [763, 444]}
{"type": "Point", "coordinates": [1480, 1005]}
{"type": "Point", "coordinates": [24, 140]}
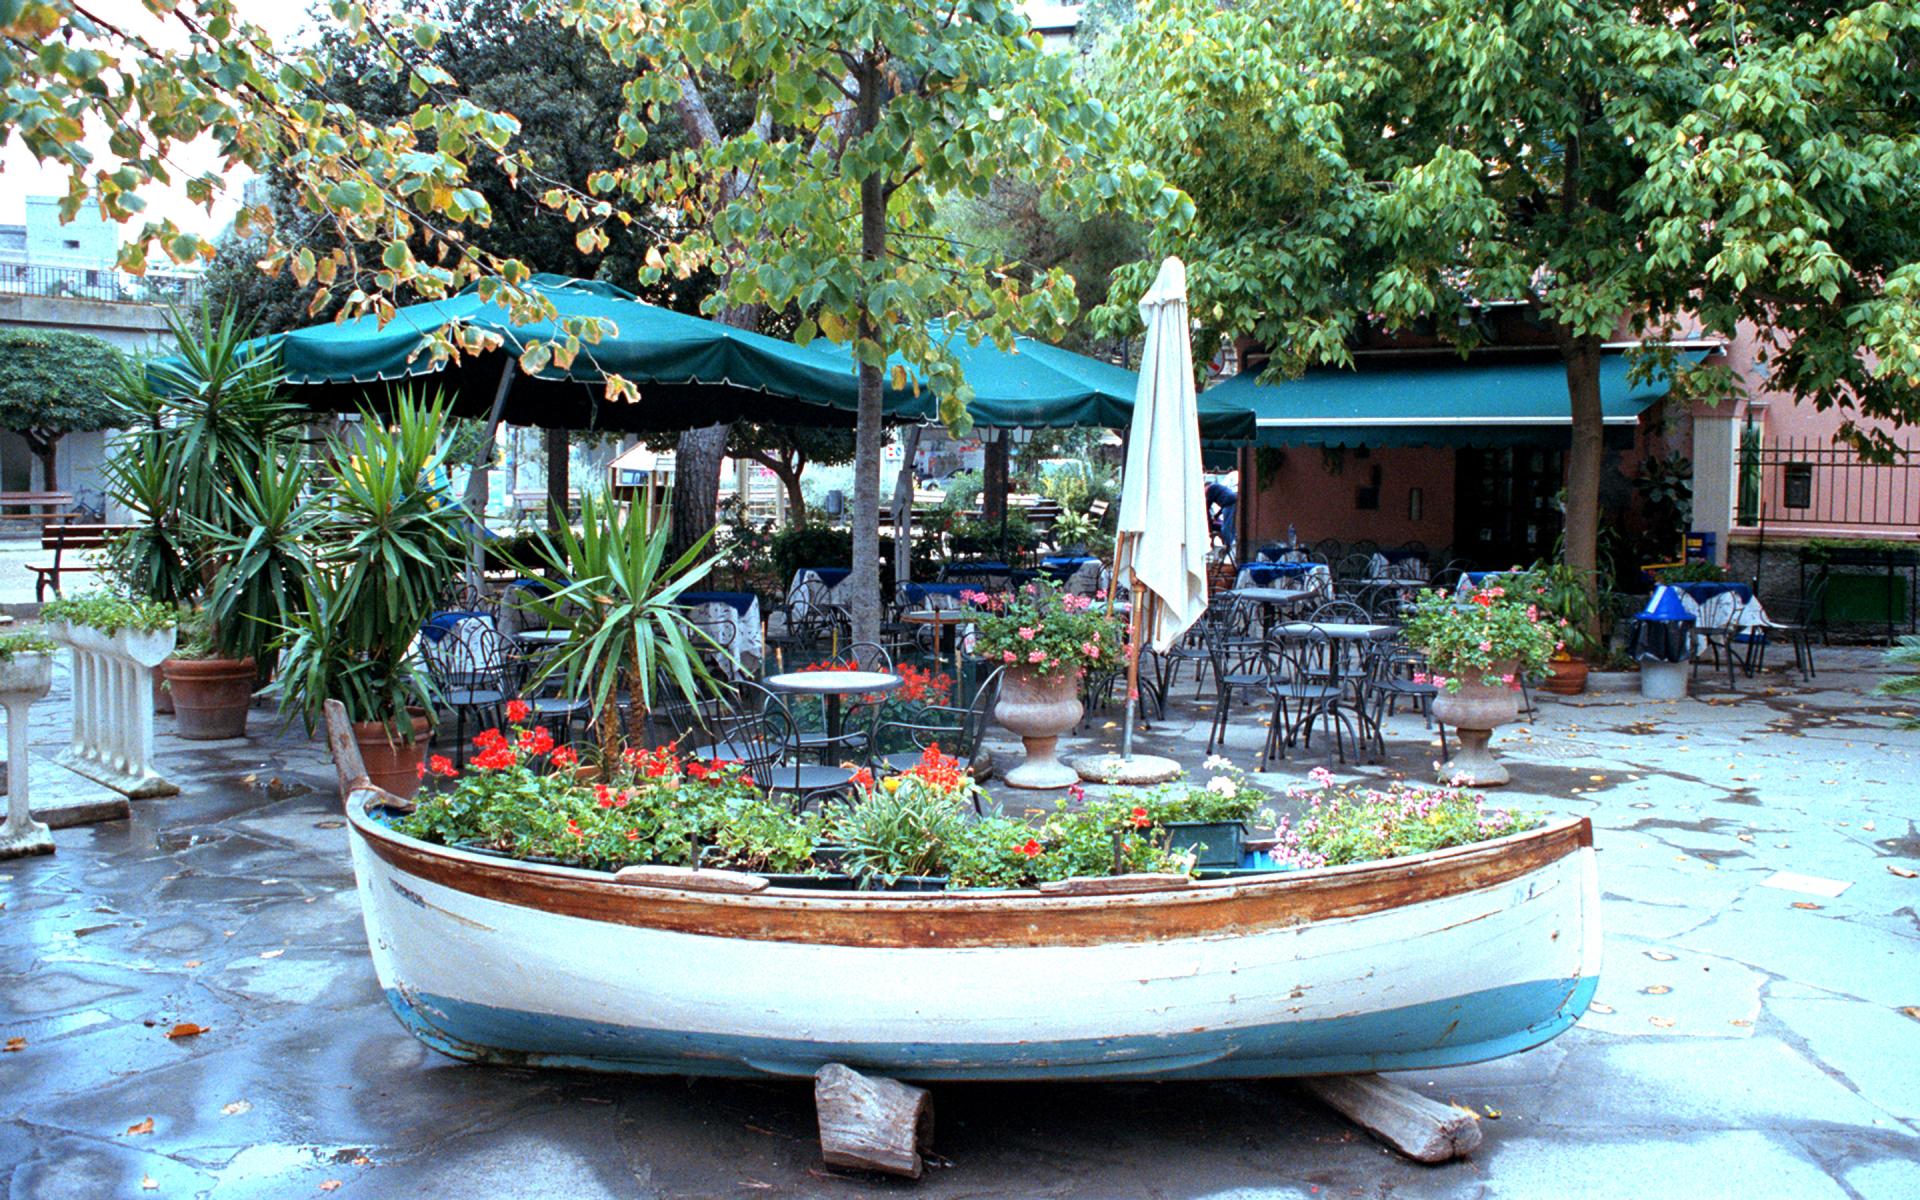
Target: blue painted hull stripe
{"type": "Point", "coordinates": [1444, 1033]}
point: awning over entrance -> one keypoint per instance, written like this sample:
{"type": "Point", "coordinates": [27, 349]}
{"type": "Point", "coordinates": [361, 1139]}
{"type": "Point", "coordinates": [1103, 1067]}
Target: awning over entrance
{"type": "Point", "coordinates": [1451, 404]}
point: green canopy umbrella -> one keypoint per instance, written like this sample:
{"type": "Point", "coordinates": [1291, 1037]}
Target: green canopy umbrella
{"type": "Point", "coordinates": [1039, 386]}
{"type": "Point", "coordinates": [690, 371]}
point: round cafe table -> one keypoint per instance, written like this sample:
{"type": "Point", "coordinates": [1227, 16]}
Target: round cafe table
{"type": "Point", "coordinates": [947, 621]}
{"type": "Point", "coordinates": [831, 686]}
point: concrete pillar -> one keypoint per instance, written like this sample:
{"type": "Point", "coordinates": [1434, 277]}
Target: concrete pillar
{"type": "Point", "coordinates": [1716, 468]}
{"type": "Point", "coordinates": [23, 679]}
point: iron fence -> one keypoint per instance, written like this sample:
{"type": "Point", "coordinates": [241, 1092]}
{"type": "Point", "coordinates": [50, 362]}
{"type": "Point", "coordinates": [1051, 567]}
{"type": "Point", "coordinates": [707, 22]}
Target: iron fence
{"type": "Point", "coordinates": [82, 283]}
{"type": "Point", "coordinates": [1813, 482]}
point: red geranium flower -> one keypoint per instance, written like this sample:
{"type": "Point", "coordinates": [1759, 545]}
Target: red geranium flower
{"type": "Point", "coordinates": [564, 756]}
{"type": "Point", "coordinates": [487, 739]}
{"type": "Point", "coordinates": [497, 757]}
{"type": "Point", "coordinates": [1141, 819]}
{"type": "Point", "coordinates": [1030, 848]}
{"type": "Point", "coordinates": [518, 711]}
{"type": "Point", "coordinates": [443, 766]}
{"type": "Point", "coordinates": [536, 741]}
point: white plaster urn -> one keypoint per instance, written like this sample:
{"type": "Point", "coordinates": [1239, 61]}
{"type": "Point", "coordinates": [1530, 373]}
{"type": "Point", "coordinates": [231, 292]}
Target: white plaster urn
{"type": "Point", "coordinates": [24, 678]}
{"type": "Point", "coordinates": [1475, 711]}
{"type": "Point", "coordinates": [112, 739]}
{"type": "Point", "coordinates": [1040, 708]}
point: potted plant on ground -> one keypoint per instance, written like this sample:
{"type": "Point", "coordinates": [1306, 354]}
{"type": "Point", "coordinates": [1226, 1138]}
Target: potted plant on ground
{"type": "Point", "coordinates": [1206, 820]}
{"type": "Point", "coordinates": [1478, 650]}
{"type": "Point", "coordinates": [153, 558]}
{"type": "Point", "coordinates": [1560, 591]}
{"type": "Point", "coordinates": [213, 415]}
{"type": "Point", "coordinates": [1045, 640]}
{"type": "Point", "coordinates": [387, 547]}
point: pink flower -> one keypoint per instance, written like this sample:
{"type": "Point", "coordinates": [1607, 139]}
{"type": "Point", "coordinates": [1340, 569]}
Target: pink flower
{"type": "Point", "coordinates": [1026, 634]}
{"type": "Point", "coordinates": [1089, 649]}
{"type": "Point", "coordinates": [1034, 656]}
{"type": "Point", "coordinates": [1009, 656]}
{"type": "Point", "coordinates": [1486, 646]}
{"type": "Point", "coordinates": [1419, 676]}
{"type": "Point", "coordinates": [1507, 679]}
{"type": "Point", "coordinates": [1321, 776]}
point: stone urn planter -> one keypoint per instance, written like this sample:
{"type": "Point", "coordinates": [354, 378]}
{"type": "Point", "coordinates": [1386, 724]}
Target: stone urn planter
{"type": "Point", "coordinates": [210, 696]}
{"type": "Point", "coordinates": [1040, 708]}
{"type": "Point", "coordinates": [1475, 711]}
{"type": "Point", "coordinates": [24, 678]}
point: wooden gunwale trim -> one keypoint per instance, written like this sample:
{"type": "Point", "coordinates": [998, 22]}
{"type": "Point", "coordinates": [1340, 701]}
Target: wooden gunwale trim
{"type": "Point", "coordinates": [1215, 908]}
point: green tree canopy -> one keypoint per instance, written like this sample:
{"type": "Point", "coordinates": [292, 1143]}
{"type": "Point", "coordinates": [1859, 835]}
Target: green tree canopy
{"type": "Point", "coordinates": [1625, 167]}
{"type": "Point", "coordinates": [870, 113]}
{"type": "Point", "coordinates": [53, 384]}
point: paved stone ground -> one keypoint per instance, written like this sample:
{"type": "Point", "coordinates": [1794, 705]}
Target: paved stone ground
{"type": "Point", "coordinates": [1750, 1039]}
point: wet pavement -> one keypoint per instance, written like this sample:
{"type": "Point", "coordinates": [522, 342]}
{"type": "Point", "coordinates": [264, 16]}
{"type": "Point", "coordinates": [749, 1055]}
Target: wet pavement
{"type": "Point", "coordinates": [1755, 1033]}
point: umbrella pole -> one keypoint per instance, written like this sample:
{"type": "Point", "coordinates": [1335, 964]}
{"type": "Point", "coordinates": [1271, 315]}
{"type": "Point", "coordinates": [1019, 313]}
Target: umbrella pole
{"type": "Point", "coordinates": [1133, 663]}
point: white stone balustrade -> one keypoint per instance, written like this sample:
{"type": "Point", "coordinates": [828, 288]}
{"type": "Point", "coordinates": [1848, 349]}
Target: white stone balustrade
{"type": "Point", "coordinates": [113, 706]}
{"type": "Point", "coordinates": [24, 678]}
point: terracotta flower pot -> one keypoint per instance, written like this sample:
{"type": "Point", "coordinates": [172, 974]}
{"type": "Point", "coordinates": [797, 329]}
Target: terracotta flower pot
{"type": "Point", "coordinates": [393, 764]}
{"type": "Point", "coordinates": [162, 697]}
{"type": "Point", "coordinates": [1475, 711]}
{"type": "Point", "coordinates": [1039, 708]}
{"type": "Point", "coordinates": [210, 696]}
{"type": "Point", "coordinates": [1566, 677]}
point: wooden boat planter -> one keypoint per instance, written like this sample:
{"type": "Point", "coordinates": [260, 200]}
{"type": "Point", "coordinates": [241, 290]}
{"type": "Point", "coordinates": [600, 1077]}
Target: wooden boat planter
{"type": "Point", "coordinates": [1435, 960]}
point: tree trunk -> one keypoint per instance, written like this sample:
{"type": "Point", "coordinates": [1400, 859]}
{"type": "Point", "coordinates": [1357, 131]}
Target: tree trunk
{"type": "Point", "coordinates": [993, 478]}
{"type": "Point", "coordinates": [696, 485]}
{"type": "Point", "coordinates": [558, 483]}
{"type": "Point", "coordinates": [868, 433]}
{"type": "Point", "coordinates": [1585, 457]}
{"type": "Point", "coordinates": [796, 499]}
{"type": "Point", "coordinates": [49, 452]}
{"type": "Point", "coordinates": [903, 509]}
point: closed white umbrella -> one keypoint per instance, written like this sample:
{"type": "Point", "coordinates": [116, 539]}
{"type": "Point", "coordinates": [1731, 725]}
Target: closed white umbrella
{"type": "Point", "coordinates": [1163, 539]}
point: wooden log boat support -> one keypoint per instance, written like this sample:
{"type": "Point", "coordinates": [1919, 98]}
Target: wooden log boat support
{"type": "Point", "coordinates": [1435, 960]}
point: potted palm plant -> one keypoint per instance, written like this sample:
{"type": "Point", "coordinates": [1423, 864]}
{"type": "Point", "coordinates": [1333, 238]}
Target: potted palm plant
{"type": "Point", "coordinates": [213, 418]}
{"type": "Point", "coordinates": [622, 604]}
{"type": "Point", "coordinates": [387, 546]}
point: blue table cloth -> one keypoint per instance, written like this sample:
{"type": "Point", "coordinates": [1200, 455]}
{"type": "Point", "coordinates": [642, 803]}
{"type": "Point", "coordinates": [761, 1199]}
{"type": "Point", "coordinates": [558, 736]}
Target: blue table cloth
{"type": "Point", "coordinates": [440, 624]}
{"type": "Point", "coordinates": [831, 576]}
{"type": "Point", "coordinates": [1705, 590]}
{"type": "Point", "coordinates": [740, 602]}
{"type": "Point", "coordinates": [1263, 574]}
{"type": "Point", "coordinates": [917, 593]}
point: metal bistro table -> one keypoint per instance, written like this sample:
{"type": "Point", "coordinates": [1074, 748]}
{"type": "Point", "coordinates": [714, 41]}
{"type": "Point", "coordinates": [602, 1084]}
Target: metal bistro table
{"type": "Point", "coordinates": [831, 686]}
{"type": "Point", "coordinates": [946, 622]}
{"type": "Point", "coordinates": [1345, 631]}
{"type": "Point", "coordinates": [1273, 599]}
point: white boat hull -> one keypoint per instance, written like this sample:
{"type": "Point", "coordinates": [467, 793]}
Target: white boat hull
{"type": "Point", "coordinates": [1449, 958]}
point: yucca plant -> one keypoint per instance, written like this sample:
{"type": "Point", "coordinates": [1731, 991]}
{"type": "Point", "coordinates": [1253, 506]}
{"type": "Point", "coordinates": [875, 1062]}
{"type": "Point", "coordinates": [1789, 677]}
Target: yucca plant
{"type": "Point", "coordinates": [264, 555]}
{"type": "Point", "coordinates": [154, 558]}
{"type": "Point", "coordinates": [622, 605]}
{"type": "Point", "coordinates": [388, 547]}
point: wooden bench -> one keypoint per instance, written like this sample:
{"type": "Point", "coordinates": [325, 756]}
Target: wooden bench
{"type": "Point", "coordinates": [61, 538]}
{"type": "Point", "coordinates": [55, 507]}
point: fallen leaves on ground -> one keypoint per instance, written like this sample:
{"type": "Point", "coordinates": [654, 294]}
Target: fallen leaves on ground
{"type": "Point", "coordinates": [149, 1183]}
{"type": "Point", "coordinates": [236, 1108]}
{"type": "Point", "coordinates": [14, 1045]}
{"type": "Point", "coordinates": [329, 1185]}
{"type": "Point", "coordinates": [193, 962]}
{"type": "Point", "coordinates": [1807, 905]}
{"type": "Point", "coordinates": [1659, 956]}
{"type": "Point", "coordinates": [271, 953]}
{"type": "Point", "coordinates": [1912, 1010]}
{"type": "Point", "coordinates": [1605, 1010]}
{"type": "Point", "coordinates": [186, 1029]}
{"type": "Point", "coordinates": [1902, 872]}
{"type": "Point", "coordinates": [145, 1126]}
{"type": "Point", "coordinates": [1661, 1022]}
{"type": "Point", "coordinates": [1658, 989]}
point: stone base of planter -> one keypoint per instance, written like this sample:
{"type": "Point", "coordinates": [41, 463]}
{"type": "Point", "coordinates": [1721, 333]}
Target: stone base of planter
{"type": "Point", "coordinates": [1042, 771]}
{"type": "Point", "coordinates": [145, 786]}
{"type": "Point", "coordinates": [34, 839]}
{"type": "Point", "coordinates": [1474, 765]}
{"type": "Point", "coordinates": [1138, 771]}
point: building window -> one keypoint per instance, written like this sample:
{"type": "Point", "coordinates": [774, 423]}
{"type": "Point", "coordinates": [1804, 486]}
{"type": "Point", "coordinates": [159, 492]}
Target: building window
{"type": "Point", "coordinates": [71, 243]}
{"type": "Point", "coordinates": [1797, 488]}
